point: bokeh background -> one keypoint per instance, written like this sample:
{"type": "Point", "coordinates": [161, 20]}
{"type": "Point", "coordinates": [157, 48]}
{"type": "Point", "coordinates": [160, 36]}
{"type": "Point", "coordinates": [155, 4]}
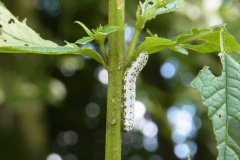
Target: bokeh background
{"type": "Point", "coordinates": [54, 107]}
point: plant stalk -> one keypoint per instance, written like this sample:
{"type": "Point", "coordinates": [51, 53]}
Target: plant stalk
{"type": "Point", "coordinates": [115, 75]}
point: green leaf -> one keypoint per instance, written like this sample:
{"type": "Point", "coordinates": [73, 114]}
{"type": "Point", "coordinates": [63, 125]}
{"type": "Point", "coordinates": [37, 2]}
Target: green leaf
{"type": "Point", "coordinates": [91, 53]}
{"type": "Point", "coordinates": [154, 44]}
{"type": "Point", "coordinates": [109, 29]}
{"type": "Point", "coordinates": [149, 9]}
{"type": "Point", "coordinates": [55, 51]}
{"type": "Point", "coordinates": [179, 49]}
{"type": "Point", "coordinates": [15, 33]}
{"type": "Point", "coordinates": [169, 7]}
{"type": "Point", "coordinates": [178, 43]}
{"type": "Point", "coordinates": [98, 34]}
{"type": "Point", "coordinates": [17, 37]}
{"type": "Point", "coordinates": [85, 28]}
{"type": "Point", "coordinates": [84, 40]}
{"type": "Point", "coordinates": [211, 43]}
{"type": "Point", "coordinates": [207, 41]}
{"type": "Point", "coordinates": [222, 97]}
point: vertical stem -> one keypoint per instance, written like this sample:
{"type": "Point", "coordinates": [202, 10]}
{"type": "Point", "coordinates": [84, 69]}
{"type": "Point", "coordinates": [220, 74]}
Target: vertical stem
{"type": "Point", "coordinates": [115, 72]}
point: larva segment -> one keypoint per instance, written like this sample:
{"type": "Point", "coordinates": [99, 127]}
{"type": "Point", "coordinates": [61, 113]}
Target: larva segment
{"type": "Point", "coordinates": [129, 87]}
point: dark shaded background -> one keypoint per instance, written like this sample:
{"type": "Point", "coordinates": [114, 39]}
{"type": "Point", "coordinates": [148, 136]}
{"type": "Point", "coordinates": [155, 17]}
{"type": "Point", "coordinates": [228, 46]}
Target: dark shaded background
{"type": "Point", "coordinates": [54, 107]}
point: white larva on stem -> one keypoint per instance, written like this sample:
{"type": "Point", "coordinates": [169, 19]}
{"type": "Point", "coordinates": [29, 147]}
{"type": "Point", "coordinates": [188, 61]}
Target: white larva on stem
{"type": "Point", "coordinates": [129, 87]}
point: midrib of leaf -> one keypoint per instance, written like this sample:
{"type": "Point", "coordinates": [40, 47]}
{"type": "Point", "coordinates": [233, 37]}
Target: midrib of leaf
{"type": "Point", "coordinates": [225, 105]}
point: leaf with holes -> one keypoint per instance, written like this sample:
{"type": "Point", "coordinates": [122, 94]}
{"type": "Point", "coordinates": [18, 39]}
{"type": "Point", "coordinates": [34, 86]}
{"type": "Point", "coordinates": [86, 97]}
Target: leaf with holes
{"type": "Point", "coordinates": [207, 42]}
{"type": "Point", "coordinates": [222, 97]}
{"type": "Point", "coordinates": [17, 37]}
{"type": "Point", "coordinates": [16, 33]}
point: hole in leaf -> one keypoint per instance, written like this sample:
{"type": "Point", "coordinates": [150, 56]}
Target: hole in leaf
{"type": "Point", "coordinates": [26, 45]}
{"type": "Point", "coordinates": [151, 3]}
{"type": "Point", "coordinates": [1, 26]}
{"type": "Point", "coordinates": [213, 62]}
{"type": "Point", "coordinates": [11, 21]}
{"type": "Point", "coordinates": [234, 130]}
{"type": "Point", "coordinates": [220, 116]}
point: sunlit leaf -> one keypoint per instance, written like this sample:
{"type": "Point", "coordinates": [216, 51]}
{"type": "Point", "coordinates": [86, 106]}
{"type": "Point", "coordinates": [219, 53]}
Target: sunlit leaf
{"type": "Point", "coordinates": [149, 9]}
{"type": "Point", "coordinates": [207, 41]}
{"type": "Point", "coordinates": [207, 38]}
{"type": "Point", "coordinates": [84, 40]}
{"type": "Point", "coordinates": [179, 49]}
{"type": "Point", "coordinates": [17, 37]}
{"type": "Point", "coordinates": [15, 33]}
{"type": "Point", "coordinates": [98, 34]}
{"type": "Point", "coordinates": [169, 7]}
{"type": "Point", "coordinates": [110, 29]}
{"type": "Point", "coordinates": [154, 44]}
{"type": "Point", "coordinates": [222, 97]}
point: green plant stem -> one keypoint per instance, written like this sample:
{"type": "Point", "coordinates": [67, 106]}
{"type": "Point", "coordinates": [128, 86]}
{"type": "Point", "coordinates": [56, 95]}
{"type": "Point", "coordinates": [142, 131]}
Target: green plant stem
{"type": "Point", "coordinates": [115, 75]}
{"type": "Point", "coordinates": [133, 43]}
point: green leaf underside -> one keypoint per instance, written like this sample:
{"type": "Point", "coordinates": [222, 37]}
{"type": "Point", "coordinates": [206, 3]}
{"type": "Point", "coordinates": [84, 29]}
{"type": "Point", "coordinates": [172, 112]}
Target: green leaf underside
{"type": "Point", "coordinates": [17, 37]}
{"type": "Point", "coordinates": [154, 44]}
{"type": "Point", "coordinates": [222, 97]}
{"type": "Point", "coordinates": [54, 51]}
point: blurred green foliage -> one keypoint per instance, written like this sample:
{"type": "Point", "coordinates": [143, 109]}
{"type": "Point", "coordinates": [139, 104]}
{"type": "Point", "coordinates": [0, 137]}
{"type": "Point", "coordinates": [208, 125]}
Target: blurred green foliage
{"type": "Point", "coordinates": [42, 98]}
